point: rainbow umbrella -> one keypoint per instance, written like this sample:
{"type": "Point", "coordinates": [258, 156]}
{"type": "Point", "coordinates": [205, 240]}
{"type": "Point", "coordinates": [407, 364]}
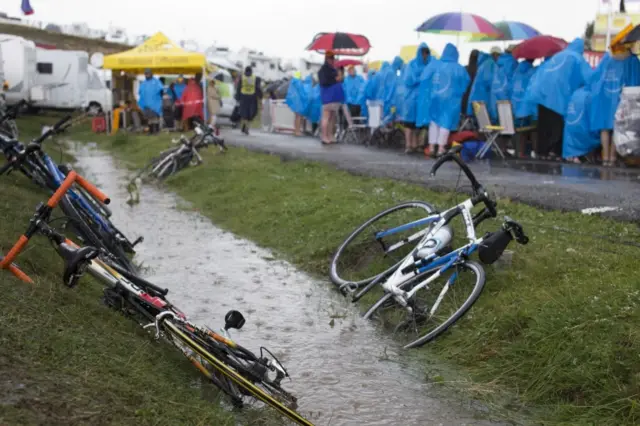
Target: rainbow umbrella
{"type": "Point", "coordinates": [510, 30]}
{"type": "Point", "coordinates": [457, 23]}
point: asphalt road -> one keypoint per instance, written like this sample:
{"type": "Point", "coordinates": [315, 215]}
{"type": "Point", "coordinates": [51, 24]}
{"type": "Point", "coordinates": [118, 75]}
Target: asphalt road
{"type": "Point", "coordinates": [550, 186]}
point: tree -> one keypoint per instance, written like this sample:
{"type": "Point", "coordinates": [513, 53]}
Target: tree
{"type": "Point", "coordinates": [588, 34]}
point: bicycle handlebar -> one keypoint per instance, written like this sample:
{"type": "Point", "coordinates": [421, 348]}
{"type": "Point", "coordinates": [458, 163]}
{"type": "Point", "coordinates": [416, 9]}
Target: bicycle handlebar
{"type": "Point", "coordinates": [12, 112]}
{"type": "Point", "coordinates": [451, 156]}
{"type": "Point", "coordinates": [57, 128]}
{"type": "Point", "coordinates": [45, 211]}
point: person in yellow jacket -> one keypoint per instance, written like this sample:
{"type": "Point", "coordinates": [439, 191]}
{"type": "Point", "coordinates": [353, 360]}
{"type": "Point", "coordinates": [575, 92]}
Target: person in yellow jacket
{"type": "Point", "coordinates": [248, 94]}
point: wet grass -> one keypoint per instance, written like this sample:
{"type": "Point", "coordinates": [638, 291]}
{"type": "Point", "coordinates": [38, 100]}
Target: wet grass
{"type": "Point", "coordinates": [558, 329]}
{"type": "Point", "coordinates": [66, 359]}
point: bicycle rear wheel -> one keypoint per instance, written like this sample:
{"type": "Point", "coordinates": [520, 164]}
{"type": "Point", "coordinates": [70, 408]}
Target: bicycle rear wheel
{"type": "Point", "coordinates": [368, 254]}
{"type": "Point", "coordinates": [435, 307]}
{"type": "Point", "coordinates": [223, 366]}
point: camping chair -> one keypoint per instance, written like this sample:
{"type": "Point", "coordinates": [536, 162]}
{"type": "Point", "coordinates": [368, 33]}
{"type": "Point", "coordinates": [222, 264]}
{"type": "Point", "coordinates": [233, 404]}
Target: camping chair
{"type": "Point", "coordinates": [490, 131]}
{"type": "Point", "coordinates": [355, 129]}
{"type": "Point", "coordinates": [507, 122]}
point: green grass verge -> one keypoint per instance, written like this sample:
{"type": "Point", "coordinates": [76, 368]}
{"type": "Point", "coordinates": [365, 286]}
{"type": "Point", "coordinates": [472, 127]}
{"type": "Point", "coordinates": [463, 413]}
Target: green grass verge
{"type": "Point", "coordinates": [65, 358]}
{"type": "Point", "coordinates": [558, 329]}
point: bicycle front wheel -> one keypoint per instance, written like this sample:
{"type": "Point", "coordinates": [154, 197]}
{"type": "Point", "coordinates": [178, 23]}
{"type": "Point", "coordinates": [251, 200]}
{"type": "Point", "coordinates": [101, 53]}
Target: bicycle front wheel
{"type": "Point", "coordinates": [365, 255]}
{"type": "Point", "coordinates": [432, 309]}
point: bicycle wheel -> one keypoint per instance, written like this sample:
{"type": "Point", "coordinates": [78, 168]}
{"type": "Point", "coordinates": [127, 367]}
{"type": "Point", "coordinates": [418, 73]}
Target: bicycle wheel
{"type": "Point", "coordinates": [91, 234]}
{"type": "Point", "coordinates": [240, 379]}
{"type": "Point", "coordinates": [434, 308]}
{"type": "Point", "coordinates": [368, 254]}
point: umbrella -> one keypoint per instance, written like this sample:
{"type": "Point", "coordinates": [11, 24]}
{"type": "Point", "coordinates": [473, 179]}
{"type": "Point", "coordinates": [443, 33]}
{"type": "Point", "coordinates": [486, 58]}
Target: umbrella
{"type": "Point", "coordinates": [341, 44]}
{"type": "Point", "coordinates": [347, 63]}
{"type": "Point", "coordinates": [456, 23]}
{"type": "Point", "coordinates": [510, 30]}
{"type": "Point", "coordinates": [539, 47]}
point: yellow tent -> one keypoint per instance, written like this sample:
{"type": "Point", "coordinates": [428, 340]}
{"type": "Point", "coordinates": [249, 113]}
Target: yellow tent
{"type": "Point", "coordinates": [160, 55]}
{"type": "Point", "coordinates": [375, 65]}
{"type": "Point", "coordinates": [408, 53]}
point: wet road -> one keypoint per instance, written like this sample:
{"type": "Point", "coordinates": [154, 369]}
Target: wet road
{"type": "Point", "coordinates": [344, 371]}
{"type": "Point", "coordinates": [553, 186]}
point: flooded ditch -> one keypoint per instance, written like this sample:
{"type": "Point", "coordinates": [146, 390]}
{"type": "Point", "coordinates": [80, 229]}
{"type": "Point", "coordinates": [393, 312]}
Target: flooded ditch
{"type": "Point", "coordinates": [344, 371]}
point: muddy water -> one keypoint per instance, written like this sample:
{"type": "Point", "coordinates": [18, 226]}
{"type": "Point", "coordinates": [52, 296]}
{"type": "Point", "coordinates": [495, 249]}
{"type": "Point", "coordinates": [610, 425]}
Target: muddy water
{"type": "Point", "coordinates": [344, 371]}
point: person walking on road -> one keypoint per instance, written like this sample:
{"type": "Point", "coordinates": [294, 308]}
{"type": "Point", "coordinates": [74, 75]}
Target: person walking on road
{"type": "Point", "coordinates": [248, 94]}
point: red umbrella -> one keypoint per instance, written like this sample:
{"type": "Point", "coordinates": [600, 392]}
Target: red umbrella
{"type": "Point", "coordinates": [539, 47]}
{"type": "Point", "coordinates": [347, 63]}
{"type": "Point", "coordinates": [341, 44]}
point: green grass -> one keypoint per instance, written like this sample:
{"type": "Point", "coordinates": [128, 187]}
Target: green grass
{"type": "Point", "coordinates": [65, 358]}
{"type": "Point", "coordinates": [558, 329]}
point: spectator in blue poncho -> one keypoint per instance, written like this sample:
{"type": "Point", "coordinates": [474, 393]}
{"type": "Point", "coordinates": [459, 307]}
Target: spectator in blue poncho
{"type": "Point", "coordinates": [481, 86]}
{"type": "Point", "coordinates": [150, 100]}
{"type": "Point", "coordinates": [501, 83]}
{"type": "Point", "coordinates": [618, 69]}
{"type": "Point", "coordinates": [578, 138]}
{"type": "Point", "coordinates": [392, 81]}
{"type": "Point", "coordinates": [524, 111]}
{"type": "Point", "coordinates": [423, 107]}
{"type": "Point", "coordinates": [353, 85]}
{"type": "Point", "coordinates": [551, 90]}
{"type": "Point", "coordinates": [366, 93]}
{"type": "Point", "coordinates": [406, 109]}
{"type": "Point", "coordinates": [449, 82]}
{"type": "Point", "coordinates": [298, 101]}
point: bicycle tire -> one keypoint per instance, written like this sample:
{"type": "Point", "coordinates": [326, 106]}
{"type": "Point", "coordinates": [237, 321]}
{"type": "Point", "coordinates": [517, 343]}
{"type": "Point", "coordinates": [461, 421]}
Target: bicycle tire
{"type": "Point", "coordinates": [92, 236]}
{"type": "Point", "coordinates": [459, 313]}
{"type": "Point", "coordinates": [175, 330]}
{"type": "Point", "coordinates": [333, 272]}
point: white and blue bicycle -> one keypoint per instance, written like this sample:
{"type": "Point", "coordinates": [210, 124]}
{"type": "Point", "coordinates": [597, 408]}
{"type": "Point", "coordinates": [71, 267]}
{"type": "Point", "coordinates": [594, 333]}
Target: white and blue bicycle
{"type": "Point", "coordinates": [407, 251]}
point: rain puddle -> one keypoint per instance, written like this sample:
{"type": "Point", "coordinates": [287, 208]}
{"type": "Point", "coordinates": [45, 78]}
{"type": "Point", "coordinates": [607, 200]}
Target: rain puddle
{"type": "Point", "coordinates": [345, 372]}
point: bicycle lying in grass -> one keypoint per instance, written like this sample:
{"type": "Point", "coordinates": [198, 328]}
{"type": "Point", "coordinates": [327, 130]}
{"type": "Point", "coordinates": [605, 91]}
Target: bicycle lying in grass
{"type": "Point", "coordinates": [419, 268]}
{"type": "Point", "coordinates": [237, 371]}
{"type": "Point", "coordinates": [89, 217]}
{"type": "Point", "coordinates": [185, 154]}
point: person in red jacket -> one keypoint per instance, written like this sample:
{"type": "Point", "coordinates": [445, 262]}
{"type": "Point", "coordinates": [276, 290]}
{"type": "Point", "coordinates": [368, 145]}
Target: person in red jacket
{"type": "Point", "coordinates": [192, 103]}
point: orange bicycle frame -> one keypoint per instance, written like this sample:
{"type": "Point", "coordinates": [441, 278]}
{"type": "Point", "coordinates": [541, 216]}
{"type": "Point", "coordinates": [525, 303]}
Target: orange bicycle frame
{"type": "Point", "coordinates": [72, 177]}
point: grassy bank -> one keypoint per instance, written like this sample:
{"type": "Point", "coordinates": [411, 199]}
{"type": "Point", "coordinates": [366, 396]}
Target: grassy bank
{"type": "Point", "coordinates": [67, 359]}
{"type": "Point", "coordinates": [558, 329]}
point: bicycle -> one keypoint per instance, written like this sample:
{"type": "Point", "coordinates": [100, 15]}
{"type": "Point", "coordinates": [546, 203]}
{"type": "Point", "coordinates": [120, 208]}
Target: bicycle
{"type": "Point", "coordinates": [430, 257]}
{"type": "Point", "coordinates": [175, 159]}
{"type": "Point", "coordinates": [89, 217]}
{"type": "Point", "coordinates": [235, 370]}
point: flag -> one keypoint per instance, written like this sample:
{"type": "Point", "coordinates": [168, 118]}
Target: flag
{"type": "Point", "coordinates": [26, 7]}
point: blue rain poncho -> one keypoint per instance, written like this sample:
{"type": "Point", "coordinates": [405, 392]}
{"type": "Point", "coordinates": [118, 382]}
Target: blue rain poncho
{"type": "Point", "coordinates": [578, 139]}
{"type": "Point", "coordinates": [314, 111]}
{"type": "Point", "coordinates": [481, 87]}
{"type": "Point", "coordinates": [150, 94]}
{"type": "Point", "coordinates": [449, 82]}
{"type": "Point", "coordinates": [423, 107]}
{"type": "Point", "coordinates": [297, 98]}
{"type": "Point", "coordinates": [521, 78]}
{"type": "Point", "coordinates": [352, 86]}
{"type": "Point", "coordinates": [560, 76]}
{"type": "Point", "coordinates": [367, 91]}
{"type": "Point", "coordinates": [606, 86]}
{"type": "Point", "coordinates": [501, 84]}
{"type": "Point", "coordinates": [393, 86]}
{"type": "Point", "coordinates": [376, 91]}
{"type": "Point", "coordinates": [406, 109]}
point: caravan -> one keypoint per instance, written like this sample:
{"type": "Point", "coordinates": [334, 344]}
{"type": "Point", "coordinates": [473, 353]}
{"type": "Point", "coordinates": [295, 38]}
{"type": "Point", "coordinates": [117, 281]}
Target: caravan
{"type": "Point", "coordinates": [20, 71]}
{"type": "Point", "coordinates": [65, 80]}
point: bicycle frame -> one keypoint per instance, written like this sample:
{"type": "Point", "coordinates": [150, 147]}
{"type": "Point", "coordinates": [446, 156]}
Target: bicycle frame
{"type": "Point", "coordinates": [440, 264]}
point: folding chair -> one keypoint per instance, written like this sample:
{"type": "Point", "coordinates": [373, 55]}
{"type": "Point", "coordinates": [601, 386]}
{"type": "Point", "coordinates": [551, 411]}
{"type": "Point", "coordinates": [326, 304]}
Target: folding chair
{"type": "Point", "coordinates": [356, 127]}
{"type": "Point", "coordinates": [507, 122]}
{"type": "Point", "coordinates": [490, 131]}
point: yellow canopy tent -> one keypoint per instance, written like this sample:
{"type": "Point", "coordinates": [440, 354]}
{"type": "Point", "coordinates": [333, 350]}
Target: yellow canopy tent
{"type": "Point", "coordinates": [159, 54]}
{"type": "Point", "coordinates": [375, 65]}
{"type": "Point", "coordinates": [408, 53]}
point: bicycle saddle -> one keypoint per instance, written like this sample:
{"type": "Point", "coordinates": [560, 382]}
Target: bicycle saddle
{"type": "Point", "coordinates": [76, 261]}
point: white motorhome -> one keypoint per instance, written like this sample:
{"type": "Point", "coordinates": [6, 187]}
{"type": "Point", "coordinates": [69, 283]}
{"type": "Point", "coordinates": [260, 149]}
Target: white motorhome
{"type": "Point", "coordinates": [19, 67]}
{"type": "Point", "coordinates": [65, 80]}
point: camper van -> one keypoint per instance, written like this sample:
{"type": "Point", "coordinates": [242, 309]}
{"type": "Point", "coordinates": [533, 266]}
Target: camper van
{"type": "Point", "coordinates": [20, 71]}
{"type": "Point", "coordinates": [65, 80]}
